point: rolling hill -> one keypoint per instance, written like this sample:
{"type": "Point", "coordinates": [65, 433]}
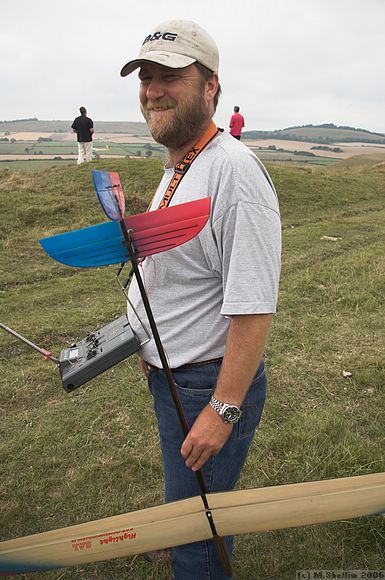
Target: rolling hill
{"type": "Point", "coordinates": [41, 126]}
{"type": "Point", "coordinates": [326, 133]}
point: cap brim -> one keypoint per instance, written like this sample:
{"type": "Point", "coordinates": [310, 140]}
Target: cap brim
{"type": "Point", "coordinates": [169, 59]}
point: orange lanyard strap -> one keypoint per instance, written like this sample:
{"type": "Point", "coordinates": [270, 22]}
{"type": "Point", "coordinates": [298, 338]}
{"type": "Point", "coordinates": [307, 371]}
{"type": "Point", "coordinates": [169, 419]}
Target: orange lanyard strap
{"type": "Point", "coordinates": [183, 166]}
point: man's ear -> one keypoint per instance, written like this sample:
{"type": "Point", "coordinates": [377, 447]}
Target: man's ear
{"type": "Point", "coordinates": [211, 89]}
{"type": "Point", "coordinates": [212, 86]}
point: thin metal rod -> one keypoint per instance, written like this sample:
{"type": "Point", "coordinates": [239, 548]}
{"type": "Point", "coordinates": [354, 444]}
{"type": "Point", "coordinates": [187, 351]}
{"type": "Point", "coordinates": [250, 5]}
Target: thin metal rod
{"type": "Point", "coordinates": [123, 289]}
{"type": "Point", "coordinates": [46, 353]}
{"type": "Point", "coordinates": [219, 542]}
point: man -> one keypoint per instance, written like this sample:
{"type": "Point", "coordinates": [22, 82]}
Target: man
{"type": "Point", "coordinates": [213, 297]}
{"type": "Point", "coordinates": [237, 122]}
{"type": "Point", "coordinates": [83, 126]}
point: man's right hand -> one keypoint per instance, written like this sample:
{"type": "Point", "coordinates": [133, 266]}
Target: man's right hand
{"type": "Point", "coordinates": [206, 437]}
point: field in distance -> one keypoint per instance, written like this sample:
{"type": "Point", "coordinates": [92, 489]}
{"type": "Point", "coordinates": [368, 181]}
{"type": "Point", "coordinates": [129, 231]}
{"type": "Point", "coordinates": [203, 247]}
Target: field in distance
{"type": "Point", "coordinates": [52, 141]}
{"type": "Point", "coordinates": [59, 147]}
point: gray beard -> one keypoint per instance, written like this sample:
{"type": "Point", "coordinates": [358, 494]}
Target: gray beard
{"type": "Point", "coordinates": [186, 126]}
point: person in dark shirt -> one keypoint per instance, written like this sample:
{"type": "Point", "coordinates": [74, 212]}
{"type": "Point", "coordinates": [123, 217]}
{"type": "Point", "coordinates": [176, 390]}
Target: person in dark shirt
{"type": "Point", "coordinates": [83, 126]}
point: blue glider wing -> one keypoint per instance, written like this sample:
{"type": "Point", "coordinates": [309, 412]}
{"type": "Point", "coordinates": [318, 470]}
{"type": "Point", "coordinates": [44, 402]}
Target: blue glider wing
{"type": "Point", "coordinates": [98, 245]}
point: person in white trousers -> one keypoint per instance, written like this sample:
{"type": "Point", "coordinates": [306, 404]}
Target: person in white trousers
{"type": "Point", "coordinates": [83, 126]}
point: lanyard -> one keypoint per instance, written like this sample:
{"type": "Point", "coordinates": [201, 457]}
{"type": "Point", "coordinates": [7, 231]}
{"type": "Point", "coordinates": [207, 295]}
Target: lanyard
{"type": "Point", "coordinates": [183, 166]}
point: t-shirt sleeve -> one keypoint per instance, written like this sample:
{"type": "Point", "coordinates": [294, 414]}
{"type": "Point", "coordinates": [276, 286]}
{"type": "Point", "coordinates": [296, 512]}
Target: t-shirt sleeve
{"type": "Point", "coordinates": [249, 235]}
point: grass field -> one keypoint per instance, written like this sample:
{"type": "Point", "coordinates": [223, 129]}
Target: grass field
{"type": "Point", "coordinates": [67, 459]}
{"type": "Point", "coordinates": [63, 146]}
{"type": "Point", "coordinates": [289, 157]}
{"type": "Point", "coordinates": [63, 126]}
{"type": "Point", "coordinates": [70, 148]}
{"type": "Point", "coordinates": [34, 164]}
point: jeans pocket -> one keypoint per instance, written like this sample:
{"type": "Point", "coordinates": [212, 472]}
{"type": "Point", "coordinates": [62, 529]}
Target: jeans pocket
{"type": "Point", "coordinates": [194, 400]}
{"type": "Point", "coordinates": [252, 407]}
{"type": "Point", "coordinates": [251, 415]}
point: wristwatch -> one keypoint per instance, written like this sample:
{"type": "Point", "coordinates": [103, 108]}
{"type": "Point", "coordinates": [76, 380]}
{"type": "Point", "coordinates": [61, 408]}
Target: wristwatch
{"type": "Point", "coordinates": [229, 413]}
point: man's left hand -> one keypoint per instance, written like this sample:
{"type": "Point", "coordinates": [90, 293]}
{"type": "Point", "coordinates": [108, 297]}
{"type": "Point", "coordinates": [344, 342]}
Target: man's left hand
{"type": "Point", "coordinates": [207, 436]}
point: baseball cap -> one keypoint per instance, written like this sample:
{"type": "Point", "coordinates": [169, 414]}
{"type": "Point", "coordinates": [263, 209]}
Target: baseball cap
{"type": "Point", "coordinates": [176, 44]}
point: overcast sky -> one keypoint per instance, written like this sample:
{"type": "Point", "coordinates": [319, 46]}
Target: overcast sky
{"type": "Point", "coordinates": [284, 62]}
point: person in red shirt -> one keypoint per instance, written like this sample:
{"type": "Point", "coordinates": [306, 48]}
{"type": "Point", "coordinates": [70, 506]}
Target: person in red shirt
{"type": "Point", "coordinates": [236, 123]}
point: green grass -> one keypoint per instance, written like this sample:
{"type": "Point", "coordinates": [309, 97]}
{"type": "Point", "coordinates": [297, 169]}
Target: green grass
{"type": "Point", "coordinates": [46, 147]}
{"type": "Point", "coordinates": [41, 126]}
{"type": "Point", "coordinates": [34, 164]}
{"type": "Point", "coordinates": [288, 157]}
{"type": "Point", "coordinates": [67, 459]}
{"type": "Point", "coordinates": [70, 148]}
{"type": "Point", "coordinates": [130, 149]}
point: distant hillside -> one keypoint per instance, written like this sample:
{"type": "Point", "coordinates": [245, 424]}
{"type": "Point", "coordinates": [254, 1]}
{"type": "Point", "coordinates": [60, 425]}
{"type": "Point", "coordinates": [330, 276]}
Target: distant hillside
{"type": "Point", "coordinates": [37, 126]}
{"type": "Point", "coordinates": [326, 133]}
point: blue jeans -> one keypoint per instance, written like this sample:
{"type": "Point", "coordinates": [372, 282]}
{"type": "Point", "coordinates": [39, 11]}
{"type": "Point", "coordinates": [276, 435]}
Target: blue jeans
{"type": "Point", "coordinates": [199, 561]}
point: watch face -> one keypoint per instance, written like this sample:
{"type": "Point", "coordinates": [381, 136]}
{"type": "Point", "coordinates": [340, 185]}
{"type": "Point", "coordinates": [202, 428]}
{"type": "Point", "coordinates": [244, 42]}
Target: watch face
{"type": "Point", "coordinates": [231, 414]}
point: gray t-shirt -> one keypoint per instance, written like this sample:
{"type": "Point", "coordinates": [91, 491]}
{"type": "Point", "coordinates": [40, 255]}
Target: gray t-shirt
{"type": "Point", "coordinates": [231, 267]}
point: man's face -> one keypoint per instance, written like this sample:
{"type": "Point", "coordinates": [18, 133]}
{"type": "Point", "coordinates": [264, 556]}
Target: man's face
{"type": "Point", "coordinates": [174, 103]}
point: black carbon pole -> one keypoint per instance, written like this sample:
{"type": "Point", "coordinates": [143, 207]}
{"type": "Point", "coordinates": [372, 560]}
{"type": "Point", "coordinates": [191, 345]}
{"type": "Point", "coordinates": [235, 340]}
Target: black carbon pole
{"type": "Point", "coordinates": [219, 542]}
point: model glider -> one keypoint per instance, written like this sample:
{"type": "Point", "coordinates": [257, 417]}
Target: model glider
{"type": "Point", "coordinates": [150, 232]}
{"type": "Point", "coordinates": [185, 521]}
